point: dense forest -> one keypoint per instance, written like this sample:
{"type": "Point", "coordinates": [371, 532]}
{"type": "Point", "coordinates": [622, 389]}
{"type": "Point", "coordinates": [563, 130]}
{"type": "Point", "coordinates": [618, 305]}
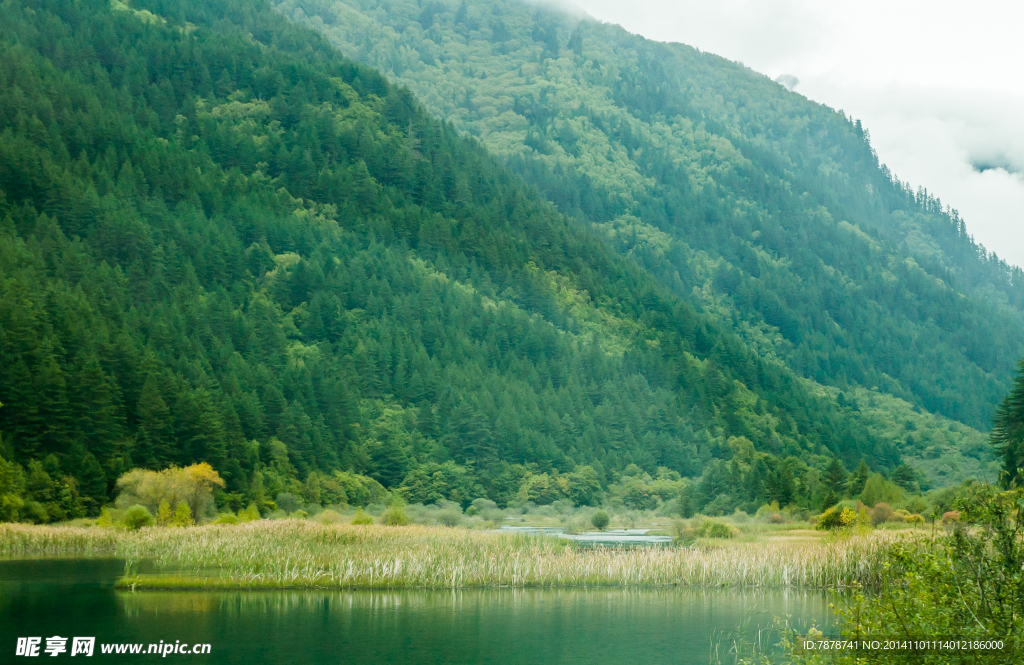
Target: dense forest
{"type": "Point", "coordinates": [222, 241]}
{"type": "Point", "coordinates": [767, 212]}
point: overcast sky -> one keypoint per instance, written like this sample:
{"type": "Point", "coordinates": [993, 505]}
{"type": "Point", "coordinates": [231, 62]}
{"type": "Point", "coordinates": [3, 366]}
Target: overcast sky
{"type": "Point", "coordinates": [940, 85]}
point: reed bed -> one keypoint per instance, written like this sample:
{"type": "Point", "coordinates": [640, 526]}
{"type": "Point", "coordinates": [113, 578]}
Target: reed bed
{"type": "Point", "coordinates": [20, 540]}
{"type": "Point", "coordinates": [294, 553]}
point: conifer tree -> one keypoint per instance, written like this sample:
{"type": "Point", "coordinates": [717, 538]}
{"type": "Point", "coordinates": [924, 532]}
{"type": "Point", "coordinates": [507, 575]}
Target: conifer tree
{"type": "Point", "coordinates": [855, 483]}
{"type": "Point", "coordinates": [835, 476]}
{"type": "Point", "coordinates": [1008, 431]}
{"type": "Point", "coordinates": [153, 446]}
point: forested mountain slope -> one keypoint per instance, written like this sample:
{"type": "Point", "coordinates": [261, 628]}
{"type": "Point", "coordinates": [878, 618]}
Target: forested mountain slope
{"type": "Point", "coordinates": [222, 241]}
{"type": "Point", "coordinates": [767, 211]}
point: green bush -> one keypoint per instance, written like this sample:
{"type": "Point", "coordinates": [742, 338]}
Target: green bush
{"type": "Point", "coordinates": [288, 502]}
{"type": "Point", "coordinates": [837, 517]}
{"type": "Point", "coordinates": [600, 520]}
{"type": "Point", "coordinates": [966, 583]}
{"type": "Point", "coordinates": [770, 513]}
{"type": "Point", "coordinates": [449, 517]}
{"type": "Point", "coordinates": [250, 514]}
{"type": "Point", "coordinates": [328, 517]}
{"type": "Point", "coordinates": [715, 529]}
{"type": "Point", "coordinates": [394, 516]}
{"type": "Point", "coordinates": [226, 518]}
{"type": "Point", "coordinates": [362, 518]}
{"type": "Point", "coordinates": [137, 517]}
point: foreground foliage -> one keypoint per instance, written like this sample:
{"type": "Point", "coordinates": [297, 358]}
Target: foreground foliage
{"type": "Point", "coordinates": [966, 584]}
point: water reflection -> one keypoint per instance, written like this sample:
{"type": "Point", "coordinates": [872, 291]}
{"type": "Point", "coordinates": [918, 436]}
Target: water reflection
{"type": "Point", "coordinates": [499, 626]}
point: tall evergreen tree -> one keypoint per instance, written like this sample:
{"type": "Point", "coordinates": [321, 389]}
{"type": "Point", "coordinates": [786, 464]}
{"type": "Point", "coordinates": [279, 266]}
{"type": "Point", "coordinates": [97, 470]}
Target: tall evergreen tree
{"type": "Point", "coordinates": [856, 481]}
{"type": "Point", "coordinates": [835, 477]}
{"type": "Point", "coordinates": [1007, 434]}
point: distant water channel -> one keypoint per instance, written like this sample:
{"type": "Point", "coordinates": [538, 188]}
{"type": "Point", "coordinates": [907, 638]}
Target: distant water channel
{"type": "Point", "coordinates": [76, 597]}
{"type": "Point", "coordinates": [611, 537]}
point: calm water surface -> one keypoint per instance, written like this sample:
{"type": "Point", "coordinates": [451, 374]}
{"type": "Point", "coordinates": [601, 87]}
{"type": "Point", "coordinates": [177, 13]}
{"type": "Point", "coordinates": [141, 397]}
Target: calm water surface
{"type": "Point", "coordinates": [500, 627]}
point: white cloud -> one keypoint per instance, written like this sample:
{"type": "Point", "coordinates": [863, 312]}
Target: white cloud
{"type": "Point", "coordinates": [936, 83]}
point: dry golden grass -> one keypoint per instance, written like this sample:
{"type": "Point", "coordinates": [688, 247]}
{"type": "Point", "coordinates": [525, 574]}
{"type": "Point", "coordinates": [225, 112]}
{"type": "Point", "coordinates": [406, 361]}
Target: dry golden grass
{"type": "Point", "coordinates": [294, 553]}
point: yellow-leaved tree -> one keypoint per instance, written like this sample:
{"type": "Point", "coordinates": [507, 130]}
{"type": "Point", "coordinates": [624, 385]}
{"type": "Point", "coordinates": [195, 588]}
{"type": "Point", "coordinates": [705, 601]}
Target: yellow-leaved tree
{"type": "Point", "coordinates": [192, 486]}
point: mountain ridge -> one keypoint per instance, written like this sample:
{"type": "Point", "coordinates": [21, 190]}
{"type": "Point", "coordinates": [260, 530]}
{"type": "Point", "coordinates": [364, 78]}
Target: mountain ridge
{"type": "Point", "coordinates": [736, 192]}
{"type": "Point", "coordinates": [222, 241]}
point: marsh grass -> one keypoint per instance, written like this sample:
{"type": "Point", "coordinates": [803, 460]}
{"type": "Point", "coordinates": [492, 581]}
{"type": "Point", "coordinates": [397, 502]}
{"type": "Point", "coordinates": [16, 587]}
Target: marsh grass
{"type": "Point", "coordinates": [297, 553]}
{"type": "Point", "coordinates": [21, 540]}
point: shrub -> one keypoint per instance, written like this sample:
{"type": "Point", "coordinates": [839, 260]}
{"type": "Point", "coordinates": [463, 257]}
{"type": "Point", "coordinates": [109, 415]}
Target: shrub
{"type": "Point", "coordinates": [328, 517]}
{"type": "Point", "coordinates": [226, 518]}
{"type": "Point", "coordinates": [300, 514]}
{"type": "Point", "coordinates": [916, 504]}
{"type": "Point", "coordinates": [600, 520]}
{"type": "Point", "coordinates": [965, 582]}
{"type": "Point", "coordinates": [394, 516]}
{"type": "Point", "coordinates": [575, 524]}
{"type": "Point", "coordinates": [682, 531]}
{"type": "Point", "coordinates": [883, 512]}
{"type": "Point", "coordinates": [914, 519]}
{"type": "Point", "coordinates": [837, 518]}
{"type": "Point", "coordinates": [951, 516]}
{"type": "Point", "coordinates": [362, 517]}
{"type": "Point", "coordinates": [288, 502]}
{"type": "Point", "coordinates": [137, 517]}
{"type": "Point", "coordinates": [564, 507]}
{"type": "Point", "coordinates": [10, 505]}
{"type": "Point", "coordinates": [449, 517]}
{"type": "Point", "coordinates": [250, 514]}
{"type": "Point", "coordinates": [715, 529]}
{"type": "Point", "coordinates": [483, 504]}
{"type": "Point", "coordinates": [472, 511]}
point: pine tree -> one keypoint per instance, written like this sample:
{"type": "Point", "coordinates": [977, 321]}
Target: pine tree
{"type": "Point", "coordinates": [905, 477]}
{"type": "Point", "coordinates": [153, 446]}
{"type": "Point", "coordinates": [835, 476]}
{"type": "Point", "coordinates": [98, 416]}
{"type": "Point", "coordinates": [54, 406]}
{"type": "Point", "coordinates": [855, 483]}
{"type": "Point", "coordinates": [1007, 434]}
{"type": "Point", "coordinates": [92, 482]}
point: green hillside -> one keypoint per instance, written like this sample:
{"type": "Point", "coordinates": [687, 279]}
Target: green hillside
{"type": "Point", "coordinates": [222, 241]}
{"type": "Point", "coordinates": [767, 212]}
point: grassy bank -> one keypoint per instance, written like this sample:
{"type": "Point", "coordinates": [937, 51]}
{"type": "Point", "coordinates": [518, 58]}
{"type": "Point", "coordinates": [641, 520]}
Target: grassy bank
{"type": "Point", "coordinates": [294, 553]}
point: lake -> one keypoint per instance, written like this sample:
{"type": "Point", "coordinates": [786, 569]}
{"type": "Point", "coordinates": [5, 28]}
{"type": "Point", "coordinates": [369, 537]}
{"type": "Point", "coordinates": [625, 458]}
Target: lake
{"type": "Point", "coordinates": [75, 597]}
